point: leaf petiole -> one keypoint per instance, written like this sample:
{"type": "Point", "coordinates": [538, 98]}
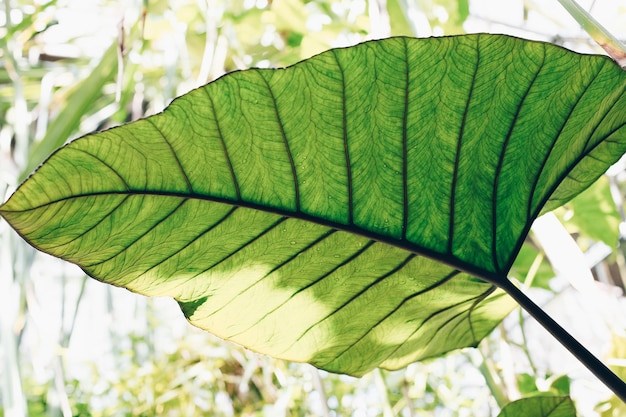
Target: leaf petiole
{"type": "Point", "coordinates": [600, 370]}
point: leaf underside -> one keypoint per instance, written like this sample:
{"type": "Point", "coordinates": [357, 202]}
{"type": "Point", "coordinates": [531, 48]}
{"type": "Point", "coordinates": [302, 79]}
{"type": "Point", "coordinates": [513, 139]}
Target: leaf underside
{"type": "Point", "coordinates": [333, 211]}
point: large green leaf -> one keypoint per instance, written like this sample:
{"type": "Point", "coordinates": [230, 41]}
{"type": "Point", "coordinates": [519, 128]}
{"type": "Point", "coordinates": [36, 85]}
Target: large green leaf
{"type": "Point", "coordinates": [540, 407]}
{"type": "Point", "coordinates": [332, 212]}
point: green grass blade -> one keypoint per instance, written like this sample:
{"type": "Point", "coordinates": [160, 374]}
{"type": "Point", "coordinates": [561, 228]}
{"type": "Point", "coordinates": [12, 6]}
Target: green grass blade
{"type": "Point", "coordinates": [66, 123]}
{"type": "Point", "coordinates": [613, 46]}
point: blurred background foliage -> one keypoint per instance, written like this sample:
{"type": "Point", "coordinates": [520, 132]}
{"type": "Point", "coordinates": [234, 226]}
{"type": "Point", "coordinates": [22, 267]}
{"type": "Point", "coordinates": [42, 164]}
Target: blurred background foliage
{"type": "Point", "coordinates": [70, 346]}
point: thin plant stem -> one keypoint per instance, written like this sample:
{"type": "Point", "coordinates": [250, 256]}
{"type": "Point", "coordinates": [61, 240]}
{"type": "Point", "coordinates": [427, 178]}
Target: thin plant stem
{"type": "Point", "coordinates": [13, 397]}
{"type": "Point", "coordinates": [493, 380]}
{"type": "Point", "coordinates": [59, 385]}
{"type": "Point", "coordinates": [528, 282]}
{"type": "Point", "coordinates": [407, 398]}
{"type": "Point", "coordinates": [534, 268]}
{"type": "Point", "coordinates": [67, 334]}
{"type": "Point", "coordinates": [319, 387]}
{"type": "Point", "coordinates": [524, 345]}
{"type": "Point", "coordinates": [604, 38]}
{"type": "Point", "coordinates": [381, 385]}
{"type": "Point", "coordinates": [601, 371]}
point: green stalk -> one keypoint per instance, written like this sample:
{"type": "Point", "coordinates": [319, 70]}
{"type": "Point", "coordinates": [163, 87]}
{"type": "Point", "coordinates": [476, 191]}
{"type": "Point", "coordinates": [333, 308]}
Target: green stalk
{"type": "Point", "coordinates": [601, 371]}
{"type": "Point", "coordinates": [528, 282]}
{"type": "Point", "coordinates": [407, 399]}
{"type": "Point", "coordinates": [381, 385]}
{"type": "Point", "coordinates": [14, 400]}
{"type": "Point", "coordinates": [604, 38]}
{"type": "Point", "coordinates": [493, 381]}
{"type": "Point", "coordinates": [524, 345]}
{"type": "Point", "coordinates": [319, 387]}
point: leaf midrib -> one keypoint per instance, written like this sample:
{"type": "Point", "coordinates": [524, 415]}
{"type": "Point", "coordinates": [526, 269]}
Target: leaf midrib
{"type": "Point", "coordinates": [446, 258]}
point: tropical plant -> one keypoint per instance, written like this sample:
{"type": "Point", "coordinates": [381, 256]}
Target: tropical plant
{"type": "Point", "coordinates": [303, 166]}
{"type": "Point", "coordinates": [297, 211]}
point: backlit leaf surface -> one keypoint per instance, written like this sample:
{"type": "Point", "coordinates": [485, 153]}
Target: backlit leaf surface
{"type": "Point", "coordinates": [540, 407]}
{"type": "Point", "coordinates": [332, 212]}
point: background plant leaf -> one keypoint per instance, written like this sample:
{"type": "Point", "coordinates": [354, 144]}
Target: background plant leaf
{"type": "Point", "coordinates": [66, 123]}
{"type": "Point", "coordinates": [594, 214]}
{"type": "Point", "coordinates": [324, 212]}
{"type": "Point", "coordinates": [522, 268]}
{"type": "Point", "coordinates": [540, 407]}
